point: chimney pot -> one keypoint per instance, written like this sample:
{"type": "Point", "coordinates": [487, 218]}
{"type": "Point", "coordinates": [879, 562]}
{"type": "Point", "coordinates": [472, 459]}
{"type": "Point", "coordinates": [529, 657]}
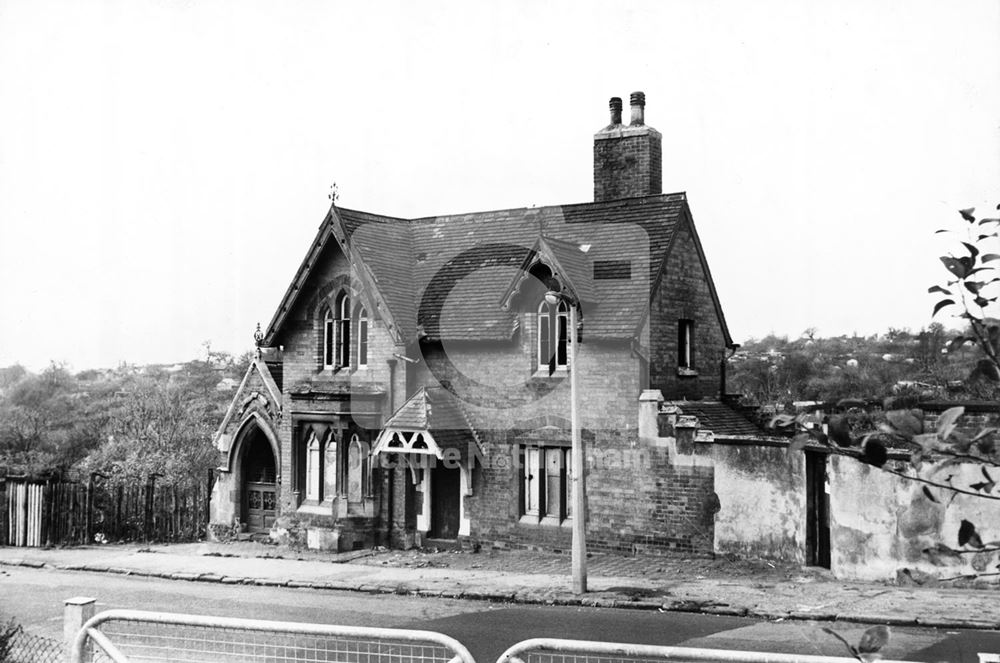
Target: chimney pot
{"type": "Point", "coordinates": [638, 100]}
{"type": "Point", "coordinates": [616, 110]}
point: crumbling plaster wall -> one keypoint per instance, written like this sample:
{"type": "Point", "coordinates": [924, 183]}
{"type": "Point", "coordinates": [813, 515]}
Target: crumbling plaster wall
{"type": "Point", "coordinates": [762, 501]}
{"type": "Point", "coordinates": [881, 523]}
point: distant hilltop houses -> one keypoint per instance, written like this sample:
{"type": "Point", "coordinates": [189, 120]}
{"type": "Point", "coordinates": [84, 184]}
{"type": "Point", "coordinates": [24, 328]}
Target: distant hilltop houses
{"type": "Point", "coordinates": [227, 384]}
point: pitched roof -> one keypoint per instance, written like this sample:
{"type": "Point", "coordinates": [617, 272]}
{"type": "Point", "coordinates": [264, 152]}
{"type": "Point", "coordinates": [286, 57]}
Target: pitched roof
{"type": "Point", "coordinates": [258, 366]}
{"type": "Point", "coordinates": [719, 418]}
{"type": "Point", "coordinates": [434, 410]}
{"type": "Point", "coordinates": [568, 262]}
{"type": "Point", "coordinates": [445, 277]}
{"type": "Point", "coordinates": [385, 247]}
{"type": "Point", "coordinates": [573, 262]}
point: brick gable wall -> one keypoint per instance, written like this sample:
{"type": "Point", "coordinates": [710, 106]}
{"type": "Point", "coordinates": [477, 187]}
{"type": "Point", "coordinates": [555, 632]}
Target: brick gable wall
{"type": "Point", "coordinates": [684, 293]}
{"type": "Point", "coordinates": [302, 361]}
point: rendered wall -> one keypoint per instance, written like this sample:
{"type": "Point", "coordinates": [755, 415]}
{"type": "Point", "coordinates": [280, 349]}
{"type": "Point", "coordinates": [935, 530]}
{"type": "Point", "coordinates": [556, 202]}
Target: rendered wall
{"type": "Point", "coordinates": [883, 523]}
{"type": "Point", "coordinates": [762, 500]}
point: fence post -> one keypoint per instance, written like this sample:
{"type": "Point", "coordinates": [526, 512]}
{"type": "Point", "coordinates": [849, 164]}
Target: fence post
{"type": "Point", "coordinates": [46, 529]}
{"type": "Point", "coordinates": [3, 511]}
{"type": "Point", "coordinates": [119, 496]}
{"type": "Point", "coordinates": [71, 526]}
{"type": "Point", "coordinates": [208, 498]}
{"type": "Point", "coordinates": [76, 612]}
{"type": "Point", "coordinates": [147, 509]}
{"type": "Point", "coordinates": [150, 505]}
{"type": "Point", "coordinates": [23, 537]}
{"type": "Point", "coordinates": [89, 518]}
{"type": "Point", "coordinates": [54, 513]}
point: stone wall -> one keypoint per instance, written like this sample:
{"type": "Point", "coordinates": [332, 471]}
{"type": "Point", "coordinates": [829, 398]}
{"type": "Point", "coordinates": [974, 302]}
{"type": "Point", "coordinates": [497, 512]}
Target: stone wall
{"type": "Point", "coordinates": [253, 407]}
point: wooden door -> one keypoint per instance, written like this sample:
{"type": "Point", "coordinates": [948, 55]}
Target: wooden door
{"type": "Point", "coordinates": [260, 506]}
{"type": "Point", "coordinates": [817, 511]}
{"type": "Point", "coordinates": [445, 484]}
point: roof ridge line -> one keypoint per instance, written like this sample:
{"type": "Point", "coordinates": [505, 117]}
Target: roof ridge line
{"type": "Point", "coordinates": [679, 196]}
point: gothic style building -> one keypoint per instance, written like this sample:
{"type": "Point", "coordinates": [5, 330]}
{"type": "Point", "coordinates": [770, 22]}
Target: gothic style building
{"type": "Point", "coordinates": [412, 384]}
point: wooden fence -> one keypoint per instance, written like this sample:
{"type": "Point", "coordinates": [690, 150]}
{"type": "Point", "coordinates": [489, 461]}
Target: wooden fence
{"type": "Point", "coordinates": [38, 513]}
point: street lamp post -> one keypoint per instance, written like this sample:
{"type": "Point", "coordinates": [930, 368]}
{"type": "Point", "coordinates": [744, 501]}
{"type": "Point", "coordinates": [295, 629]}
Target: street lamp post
{"type": "Point", "coordinates": [579, 547]}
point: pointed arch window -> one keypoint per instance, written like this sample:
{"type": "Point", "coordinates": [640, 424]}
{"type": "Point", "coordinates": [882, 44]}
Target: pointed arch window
{"type": "Point", "coordinates": [342, 331]}
{"type": "Point", "coordinates": [357, 479]}
{"type": "Point", "coordinates": [313, 468]}
{"type": "Point", "coordinates": [685, 345]}
{"type": "Point", "coordinates": [553, 333]}
{"type": "Point", "coordinates": [362, 337]}
{"type": "Point", "coordinates": [330, 468]}
{"type": "Point", "coordinates": [329, 336]}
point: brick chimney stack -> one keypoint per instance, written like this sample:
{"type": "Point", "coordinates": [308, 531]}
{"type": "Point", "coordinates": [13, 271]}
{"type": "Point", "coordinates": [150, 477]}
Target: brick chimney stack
{"type": "Point", "coordinates": [628, 160]}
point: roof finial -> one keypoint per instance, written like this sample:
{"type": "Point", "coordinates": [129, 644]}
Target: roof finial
{"type": "Point", "coordinates": [258, 338]}
{"type": "Point", "coordinates": [334, 195]}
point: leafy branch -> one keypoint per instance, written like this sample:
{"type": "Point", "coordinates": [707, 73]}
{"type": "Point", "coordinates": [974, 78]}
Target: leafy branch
{"type": "Point", "coordinates": [974, 273]}
{"type": "Point", "coordinates": [946, 486]}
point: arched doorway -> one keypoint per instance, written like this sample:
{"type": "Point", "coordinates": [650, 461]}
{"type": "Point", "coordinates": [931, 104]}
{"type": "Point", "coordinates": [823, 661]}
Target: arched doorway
{"type": "Point", "coordinates": [258, 470]}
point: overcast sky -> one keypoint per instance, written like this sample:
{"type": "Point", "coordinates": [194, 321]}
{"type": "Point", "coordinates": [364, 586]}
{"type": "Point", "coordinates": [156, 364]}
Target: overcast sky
{"type": "Point", "coordinates": [165, 165]}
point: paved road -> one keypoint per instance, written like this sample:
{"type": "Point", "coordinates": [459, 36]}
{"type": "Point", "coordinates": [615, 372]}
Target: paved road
{"type": "Point", "coordinates": [35, 596]}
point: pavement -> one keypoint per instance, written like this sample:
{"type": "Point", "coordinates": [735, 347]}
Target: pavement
{"type": "Point", "coordinates": [753, 588]}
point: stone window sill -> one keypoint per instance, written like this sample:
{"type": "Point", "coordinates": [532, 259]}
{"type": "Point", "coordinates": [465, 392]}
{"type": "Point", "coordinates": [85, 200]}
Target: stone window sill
{"type": "Point", "coordinates": [545, 521]}
{"type": "Point", "coordinates": [324, 508]}
{"type": "Point", "coordinates": [543, 374]}
{"type": "Point", "coordinates": [686, 372]}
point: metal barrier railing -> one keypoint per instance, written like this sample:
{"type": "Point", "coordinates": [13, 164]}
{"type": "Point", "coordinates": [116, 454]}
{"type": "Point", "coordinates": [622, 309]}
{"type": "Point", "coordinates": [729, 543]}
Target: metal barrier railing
{"type": "Point", "coordinates": [551, 650]}
{"type": "Point", "coordinates": [131, 636]}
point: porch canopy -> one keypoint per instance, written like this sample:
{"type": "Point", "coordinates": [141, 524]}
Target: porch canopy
{"type": "Point", "coordinates": [430, 423]}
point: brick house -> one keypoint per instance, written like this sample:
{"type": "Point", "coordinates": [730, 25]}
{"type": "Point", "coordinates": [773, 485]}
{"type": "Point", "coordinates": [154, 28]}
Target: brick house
{"type": "Point", "coordinates": [411, 385]}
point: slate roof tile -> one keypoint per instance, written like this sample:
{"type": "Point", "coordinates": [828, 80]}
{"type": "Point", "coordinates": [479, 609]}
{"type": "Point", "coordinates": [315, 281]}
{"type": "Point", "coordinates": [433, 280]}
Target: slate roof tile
{"type": "Point", "coordinates": [719, 418]}
{"type": "Point", "coordinates": [576, 265]}
{"type": "Point", "coordinates": [445, 275]}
